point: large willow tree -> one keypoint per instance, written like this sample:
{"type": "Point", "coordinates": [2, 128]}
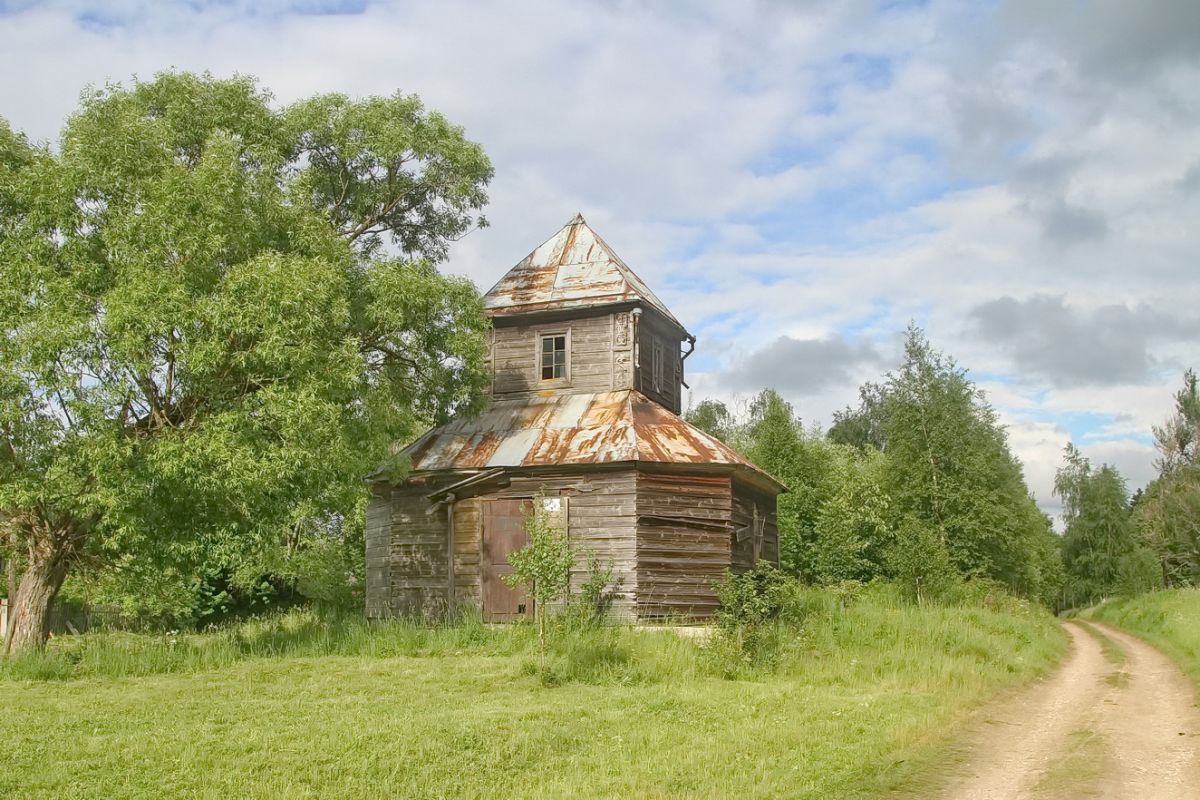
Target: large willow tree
{"type": "Point", "coordinates": [216, 314]}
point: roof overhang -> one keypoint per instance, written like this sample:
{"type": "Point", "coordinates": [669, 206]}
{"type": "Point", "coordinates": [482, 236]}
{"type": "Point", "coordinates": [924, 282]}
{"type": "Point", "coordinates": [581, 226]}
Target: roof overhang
{"type": "Point", "coordinates": [575, 433]}
{"type": "Point", "coordinates": [535, 314]}
{"type": "Point", "coordinates": [481, 481]}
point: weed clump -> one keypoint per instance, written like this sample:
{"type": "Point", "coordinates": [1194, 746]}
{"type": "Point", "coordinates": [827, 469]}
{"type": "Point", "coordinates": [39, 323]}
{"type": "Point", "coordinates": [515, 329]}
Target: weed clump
{"type": "Point", "coordinates": [748, 634]}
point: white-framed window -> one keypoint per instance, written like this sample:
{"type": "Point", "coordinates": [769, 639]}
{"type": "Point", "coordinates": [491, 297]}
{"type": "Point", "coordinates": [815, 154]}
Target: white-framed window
{"type": "Point", "coordinates": [553, 356]}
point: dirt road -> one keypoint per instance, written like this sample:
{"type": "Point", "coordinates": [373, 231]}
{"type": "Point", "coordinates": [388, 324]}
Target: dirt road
{"type": "Point", "coordinates": [1118, 720]}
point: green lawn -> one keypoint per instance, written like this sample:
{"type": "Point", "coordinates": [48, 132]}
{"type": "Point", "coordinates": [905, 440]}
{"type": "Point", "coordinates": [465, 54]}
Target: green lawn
{"type": "Point", "coordinates": [1169, 619]}
{"type": "Point", "coordinates": [861, 700]}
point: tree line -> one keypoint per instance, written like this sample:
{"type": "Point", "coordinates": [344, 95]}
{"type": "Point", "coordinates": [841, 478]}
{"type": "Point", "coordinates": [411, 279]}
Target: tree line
{"type": "Point", "coordinates": [1115, 544]}
{"type": "Point", "coordinates": [917, 484]}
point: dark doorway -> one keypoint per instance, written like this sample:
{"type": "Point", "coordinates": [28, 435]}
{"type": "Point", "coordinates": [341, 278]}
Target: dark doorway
{"type": "Point", "coordinates": [503, 532]}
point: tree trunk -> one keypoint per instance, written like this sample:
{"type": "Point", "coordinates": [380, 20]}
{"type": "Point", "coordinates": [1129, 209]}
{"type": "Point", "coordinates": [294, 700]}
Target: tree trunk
{"type": "Point", "coordinates": [45, 571]}
{"type": "Point", "coordinates": [541, 615]}
{"type": "Point", "coordinates": [10, 566]}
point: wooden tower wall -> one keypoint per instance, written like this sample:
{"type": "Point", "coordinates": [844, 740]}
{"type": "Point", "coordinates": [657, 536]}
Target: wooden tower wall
{"type": "Point", "coordinates": [668, 537]}
{"type": "Point", "coordinates": [378, 536]}
{"type": "Point", "coordinates": [602, 356]}
{"type": "Point", "coordinates": [592, 359]}
{"type": "Point", "coordinates": [683, 543]}
{"type": "Point", "coordinates": [406, 544]}
{"type": "Point", "coordinates": [601, 519]}
{"type": "Point", "coordinates": [654, 331]}
{"type": "Point", "coordinates": [406, 552]}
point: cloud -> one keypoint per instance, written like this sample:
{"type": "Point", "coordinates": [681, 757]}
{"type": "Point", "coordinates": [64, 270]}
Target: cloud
{"type": "Point", "coordinates": [824, 172]}
{"type": "Point", "coordinates": [1106, 347]}
{"type": "Point", "coordinates": [1134, 460]}
{"type": "Point", "coordinates": [1190, 181]}
{"type": "Point", "coordinates": [1111, 39]}
{"type": "Point", "coordinates": [1045, 183]}
{"type": "Point", "coordinates": [803, 366]}
{"type": "Point", "coordinates": [1041, 445]}
{"type": "Point", "coordinates": [1064, 224]}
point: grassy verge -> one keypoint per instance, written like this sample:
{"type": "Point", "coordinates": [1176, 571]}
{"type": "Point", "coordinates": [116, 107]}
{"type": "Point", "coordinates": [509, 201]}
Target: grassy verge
{"type": "Point", "coordinates": [862, 696]}
{"type": "Point", "coordinates": [1168, 619]}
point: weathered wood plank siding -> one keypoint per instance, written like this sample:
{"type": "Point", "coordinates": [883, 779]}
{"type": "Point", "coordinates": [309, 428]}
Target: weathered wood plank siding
{"type": "Point", "coordinates": [417, 553]}
{"type": "Point", "coordinates": [378, 534]}
{"type": "Point", "coordinates": [668, 538]}
{"type": "Point", "coordinates": [683, 543]}
{"type": "Point", "coordinates": [515, 359]}
{"type": "Point", "coordinates": [746, 501]}
{"type": "Point", "coordinates": [407, 535]}
{"type": "Point", "coordinates": [467, 528]}
{"type": "Point", "coordinates": [601, 519]}
{"type": "Point", "coordinates": [655, 331]}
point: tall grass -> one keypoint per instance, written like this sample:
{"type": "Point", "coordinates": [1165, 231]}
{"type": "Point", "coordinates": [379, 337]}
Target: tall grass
{"type": "Point", "coordinates": [1169, 619]}
{"type": "Point", "coordinates": [578, 653]}
{"type": "Point", "coordinates": [860, 631]}
{"type": "Point", "coordinates": [860, 697]}
{"type": "Point", "coordinates": [297, 633]}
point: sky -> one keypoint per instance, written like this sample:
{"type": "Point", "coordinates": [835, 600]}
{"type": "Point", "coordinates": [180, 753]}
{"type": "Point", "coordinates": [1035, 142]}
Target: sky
{"type": "Point", "coordinates": [796, 180]}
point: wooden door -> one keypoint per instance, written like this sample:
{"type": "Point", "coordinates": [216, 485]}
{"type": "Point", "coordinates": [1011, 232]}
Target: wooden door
{"type": "Point", "coordinates": [503, 532]}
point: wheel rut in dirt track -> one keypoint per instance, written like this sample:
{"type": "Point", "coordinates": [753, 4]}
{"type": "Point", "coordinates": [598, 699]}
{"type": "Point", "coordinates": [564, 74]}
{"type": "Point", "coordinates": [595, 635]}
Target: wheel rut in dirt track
{"type": "Point", "coordinates": [1138, 721]}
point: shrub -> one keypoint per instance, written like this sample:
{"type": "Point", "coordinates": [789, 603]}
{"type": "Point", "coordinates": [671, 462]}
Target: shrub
{"type": "Point", "coordinates": [803, 603]}
{"type": "Point", "coordinates": [983, 593]}
{"type": "Point", "coordinates": [749, 605]}
{"type": "Point", "coordinates": [223, 596]}
{"type": "Point", "coordinates": [590, 605]}
{"type": "Point", "coordinates": [751, 598]}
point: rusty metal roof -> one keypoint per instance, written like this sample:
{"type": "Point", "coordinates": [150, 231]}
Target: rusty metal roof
{"type": "Point", "coordinates": [572, 429]}
{"type": "Point", "coordinates": [574, 268]}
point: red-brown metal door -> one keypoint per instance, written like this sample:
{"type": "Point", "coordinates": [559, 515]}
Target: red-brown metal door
{"type": "Point", "coordinates": [503, 532]}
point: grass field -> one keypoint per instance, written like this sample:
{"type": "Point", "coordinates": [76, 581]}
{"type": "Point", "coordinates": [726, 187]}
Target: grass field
{"type": "Point", "coordinates": [1169, 619]}
{"type": "Point", "coordinates": [863, 695]}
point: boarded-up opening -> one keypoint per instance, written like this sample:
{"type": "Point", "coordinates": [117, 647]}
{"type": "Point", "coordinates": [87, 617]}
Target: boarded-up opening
{"type": "Point", "coordinates": [503, 532]}
{"type": "Point", "coordinates": [756, 528]}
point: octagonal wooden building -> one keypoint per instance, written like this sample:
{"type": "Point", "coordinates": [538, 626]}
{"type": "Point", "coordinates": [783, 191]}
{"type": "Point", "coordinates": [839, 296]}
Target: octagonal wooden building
{"type": "Point", "coordinates": [587, 372]}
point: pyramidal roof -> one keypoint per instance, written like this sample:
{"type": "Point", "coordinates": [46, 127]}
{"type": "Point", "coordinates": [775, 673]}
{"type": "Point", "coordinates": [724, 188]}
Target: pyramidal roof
{"type": "Point", "coordinates": [574, 268]}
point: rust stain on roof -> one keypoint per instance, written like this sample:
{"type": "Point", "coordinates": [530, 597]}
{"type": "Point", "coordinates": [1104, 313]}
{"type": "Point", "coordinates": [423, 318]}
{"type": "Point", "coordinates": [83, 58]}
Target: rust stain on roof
{"type": "Point", "coordinates": [575, 268]}
{"type": "Point", "coordinates": [566, 429]}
